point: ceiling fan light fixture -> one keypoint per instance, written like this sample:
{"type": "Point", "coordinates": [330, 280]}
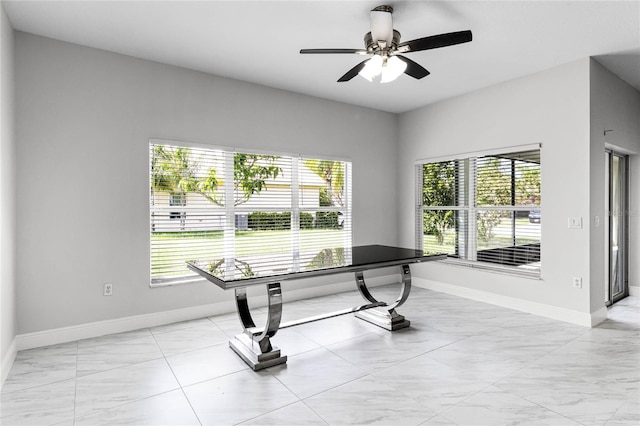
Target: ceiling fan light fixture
{"type": "Point", "coordinates": [392, 69]}
{"type": "Point", "coordinates": [372, 68]}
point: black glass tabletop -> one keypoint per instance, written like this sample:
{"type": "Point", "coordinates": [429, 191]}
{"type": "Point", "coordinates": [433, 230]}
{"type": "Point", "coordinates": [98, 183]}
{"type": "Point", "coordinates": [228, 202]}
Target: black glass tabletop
{"type": "Point", "coordinates": [234, 272]}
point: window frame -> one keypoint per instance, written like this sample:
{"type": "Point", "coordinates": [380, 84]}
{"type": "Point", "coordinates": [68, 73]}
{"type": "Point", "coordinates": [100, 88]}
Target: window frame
{"type": "Point", "coordinates": [232, 211]}
{"type": "Point", "coordinates": [468, 241]}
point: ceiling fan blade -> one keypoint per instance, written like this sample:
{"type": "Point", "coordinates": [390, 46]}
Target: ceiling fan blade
{"type": "Point", "coordinates": [352, 72]}
{"type": "Point", "coordinates": [358, 51]}
{"type": "Point", "coordinates": [434, 42]}
{"type": "Point", "coordinates": [414, 69]}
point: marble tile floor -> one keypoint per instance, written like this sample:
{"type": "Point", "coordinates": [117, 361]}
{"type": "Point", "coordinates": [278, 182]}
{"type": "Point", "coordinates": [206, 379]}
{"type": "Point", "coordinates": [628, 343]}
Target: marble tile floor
{"type": "Point", "coordinates": [460, 363]}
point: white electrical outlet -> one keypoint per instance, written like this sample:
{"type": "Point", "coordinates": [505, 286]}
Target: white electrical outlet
{"type": "Point", "coordinates": [577, 282]}
{"type": "Point", "coordinates": [108, 290]}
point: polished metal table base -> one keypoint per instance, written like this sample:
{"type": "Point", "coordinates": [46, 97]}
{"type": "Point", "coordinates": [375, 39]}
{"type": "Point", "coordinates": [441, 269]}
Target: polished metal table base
{"type": "Point", "coordinates": [251, 353]}
{"type": "Point", "coordinates": [254, 344]}
{"type": "Point", "coordinates": [384, 320]}
{"type": "Point", "coordinates": [388, 318]}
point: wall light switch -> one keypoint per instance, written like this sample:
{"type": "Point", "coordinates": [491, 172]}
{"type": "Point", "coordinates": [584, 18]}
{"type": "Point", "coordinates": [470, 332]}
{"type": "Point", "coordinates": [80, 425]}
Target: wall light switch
{"type": "Point", "coordinates": [575, 222]}
{"type": "Point", "coordinates": [596, 221]}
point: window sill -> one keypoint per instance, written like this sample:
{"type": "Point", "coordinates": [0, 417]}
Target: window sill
{"type": "Point", "coordinates": [167, 282]}
{"type": "Point", "coordinates": [524, 271]}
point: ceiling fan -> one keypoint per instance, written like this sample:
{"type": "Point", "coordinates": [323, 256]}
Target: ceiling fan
{"type": "Point", "coordinates": [384, 47]}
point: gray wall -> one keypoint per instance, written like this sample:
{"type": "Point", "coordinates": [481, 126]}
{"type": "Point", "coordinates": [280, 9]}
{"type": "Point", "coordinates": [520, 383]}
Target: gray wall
{"type": "Point", "coordinates": [551, 108]}
{"type": "Point", "coordinates": [84, 118]}
{"type": "Point", "coordinates": [615, 107]}
{"type": "Point", "coordinates": [566, 109]}
{"type": "Point", "coordinates": [7, 197]}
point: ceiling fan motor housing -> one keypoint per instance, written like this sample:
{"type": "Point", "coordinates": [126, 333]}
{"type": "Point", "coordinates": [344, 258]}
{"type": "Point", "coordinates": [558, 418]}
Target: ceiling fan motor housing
{"type": "Point", "coordinates": [382, 24]}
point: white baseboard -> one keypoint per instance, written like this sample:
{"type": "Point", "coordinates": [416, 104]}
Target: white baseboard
{"type": "Point", "coordinates": [634, 291]}
{"type": "Point", "coordinates": [553, 312]}
{"type": "Point", "coordinates": [7, 362]}
{"type": "Point", "coordinates": [119, 325]}
{"type": "Point", "coordinates": [599, 316]}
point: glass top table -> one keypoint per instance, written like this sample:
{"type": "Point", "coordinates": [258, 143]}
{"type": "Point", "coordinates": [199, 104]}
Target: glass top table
{"type": "Point", "coordinates": [254, 344]}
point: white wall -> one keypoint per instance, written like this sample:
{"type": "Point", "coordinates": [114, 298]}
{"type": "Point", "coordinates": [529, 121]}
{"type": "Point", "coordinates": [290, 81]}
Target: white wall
{"type": "Point", "coordinates": [551, 108]}
{"type": "Point", "coordinates": [7, 198]}
{"type": "Point", "coordinates": [84, 118]}
{"type": "Point", "coordinates": [615, 107]}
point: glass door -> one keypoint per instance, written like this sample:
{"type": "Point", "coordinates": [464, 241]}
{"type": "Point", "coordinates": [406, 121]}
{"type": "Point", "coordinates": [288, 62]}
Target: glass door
{"type": "Point", "coordinates": [617, 226]}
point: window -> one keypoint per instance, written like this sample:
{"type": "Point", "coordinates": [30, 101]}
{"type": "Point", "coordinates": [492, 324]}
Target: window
{"type": "Point", "coordinates": [482, 209]}
{"type": "Point", "coordinates": [248, 207]}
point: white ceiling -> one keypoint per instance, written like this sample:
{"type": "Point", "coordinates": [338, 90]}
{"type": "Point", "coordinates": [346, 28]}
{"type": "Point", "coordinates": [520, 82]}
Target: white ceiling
{"type": "Point", "coordinates": [259, 41]}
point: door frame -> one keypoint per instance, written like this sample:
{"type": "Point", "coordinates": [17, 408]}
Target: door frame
{"type": "Point", "coordinates": [623, 245]}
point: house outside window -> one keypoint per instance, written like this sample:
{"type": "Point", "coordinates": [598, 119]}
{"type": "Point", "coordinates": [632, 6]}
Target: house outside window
{"type": "Point", "coordinates": [482, 210]}
{"type": "Point", "coordinates": [178, 199]}
{"type": "Point", "coordinates": [252, 208]}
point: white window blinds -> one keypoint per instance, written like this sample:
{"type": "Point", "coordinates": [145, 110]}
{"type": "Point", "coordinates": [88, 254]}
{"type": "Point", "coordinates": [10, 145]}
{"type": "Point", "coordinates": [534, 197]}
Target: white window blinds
{"type": "Point", "coordinates": [483, 208]}
{"type": "Point", "coordinates": [209, 205]}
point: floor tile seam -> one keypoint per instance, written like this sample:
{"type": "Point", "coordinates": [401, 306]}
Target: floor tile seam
{"type": "Point", "coordinates": [539, 405]}
{"type": "Point", "coordinates": [244, 368]}
{"type": "Point", "coordinates": [615, 412]}
{"type": "Point", "coordinates": [389, 381]}
{"type": "Point", "coordinates": [75, 389]}
{"type": "Point", "coordinates": [116, 341]}
{"type": "Point", "coordinates": [526, 365]}
{"type": "Point", "coordinates": [191, 327]}
{"type": "Point", "coordinates": [160, 333]}
{"type": "Point", "coordinates": [63, 351]}
{"type": "Point", "coordinates": [306, 351]}
{"type": "Point", "coordinates": [218, 327]}
{"type": "Point", "coordinates": [339, 356]}
{"type": "Point", "coordinates": [178, 386]}
{"type": "Point", "coordinates": [120, 405]}
{"type": "Point", "coordinates": [563, 345]}
{"type": "Point", "coordinates": [397, 363]}
{"type": "Point", "coordinates": [339, 341]}
{"type": "Point", "coordinates": [441, 347]}
{"type": "Point", "coordinates": [315, 412]}
{"type": "Point", "coordinates": [266, 412]}
{"type": "Point", "coordinates": [195, 413]}
{"type": "Point", "coordinates": [164, 354]}
{"type": "Point", "coordinates": [561, 372]}
{"type": "Point", "coordinates": [452, 407]}
{"type": "Point", "coordinates": [359, 376]}
{"type": "Point", "coordinates": [39, 385]}
{"type": "Point", "coordinates": [120, 366]}
{"type": "Point", "coordinates": [286, 387]}
{"type": "Point", "coordinates": [437, 412]}
{"type": "Point", "coordinates": [181, 387]}
{"type": "Point", "coordinates": [438, 415]}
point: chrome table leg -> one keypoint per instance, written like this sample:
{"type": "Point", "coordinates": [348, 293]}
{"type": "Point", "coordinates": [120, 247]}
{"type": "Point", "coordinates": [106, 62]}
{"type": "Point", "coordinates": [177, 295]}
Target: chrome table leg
{"type": "Point", "coordinates": [255, 347]}
{"type": "Point", "coordinates": [388, 318]}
